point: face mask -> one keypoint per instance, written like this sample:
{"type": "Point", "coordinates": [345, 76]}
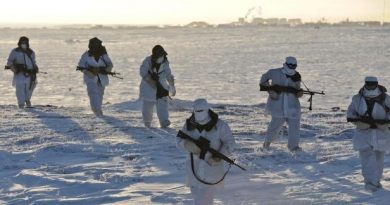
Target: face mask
{"type": "Point", "coordinates": [288, 70]}
{"type": "Point", "coordinates": [160, 60]}
{"type": "Point", "coordinates": [371, 93]}
{"type": "Point", "coordinates": [202, 117]}
{"type": "Point", "coordinates": [23, 46]}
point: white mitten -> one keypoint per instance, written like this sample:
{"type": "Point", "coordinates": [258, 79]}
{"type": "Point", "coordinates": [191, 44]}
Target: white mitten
{"type": "Point", "coordinates": [300, 94]}
{"type": "Point", "coordinates": [171, 82]}
{"type": "Point", "coordinates": [273, 95]}
{"type": "Point", "coordinates": [191, 147]}
{"type": "Point", "coordinates": [362, 125]}
{"type": "Point", "coordinates": [212, 161]}
{"type": "Point", "coordinates": [164, 83]}
{"type": "Point", "coordinates": [173, 91]}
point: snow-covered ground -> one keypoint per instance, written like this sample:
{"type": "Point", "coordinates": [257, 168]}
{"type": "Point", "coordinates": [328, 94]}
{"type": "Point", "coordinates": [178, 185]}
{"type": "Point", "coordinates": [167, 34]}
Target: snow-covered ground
{"type": "Point", "coordinates": [59, 153]}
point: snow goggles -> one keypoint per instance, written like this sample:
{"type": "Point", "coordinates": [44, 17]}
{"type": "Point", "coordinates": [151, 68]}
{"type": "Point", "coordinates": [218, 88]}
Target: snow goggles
{"type": "Point", "coordinates": [371, 83]}
{"type": "Point", "coordinates": [199, 110]}
{"type": "Point", "coordinates": [291, 66]}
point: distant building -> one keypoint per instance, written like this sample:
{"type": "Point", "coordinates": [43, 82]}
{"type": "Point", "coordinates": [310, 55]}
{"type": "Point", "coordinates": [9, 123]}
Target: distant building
{"type": "Point", "coordinates": [272, 21]}
{"type": "Point", "coordinates": [282, 21]}
{"type": "Point", "coordinates": [387, 24]}
{"type": "Point", "coordinates": [347, 22]}
{"type": "Point", "coordinates": [258, 21]}
{"type": "Point", "coordinates": [371, 23]}
{"type": "Point", "coordinates": [294, 22]}
{"type": "Point", "coordinates": [276, 21]}
{"type": "Point", "coordinates": [242, 21]}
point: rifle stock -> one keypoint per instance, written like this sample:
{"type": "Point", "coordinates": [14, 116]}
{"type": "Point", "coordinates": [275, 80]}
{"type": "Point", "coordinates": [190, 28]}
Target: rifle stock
{"type": "Point", "coordinates": [214, 152]}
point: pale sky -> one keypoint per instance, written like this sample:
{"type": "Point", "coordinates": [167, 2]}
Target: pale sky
{"type": "Point", "coordinates": [184, 11]}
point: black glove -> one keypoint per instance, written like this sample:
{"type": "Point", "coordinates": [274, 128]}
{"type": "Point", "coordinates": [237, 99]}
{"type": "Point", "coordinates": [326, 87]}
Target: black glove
{"type": "Point", "coordinates": [32, 71]}
{"type": "Point", "coordinates": [154, 76]}
{"type": "Point", "coordinates": [93, 70]}
{"type": "Point", "coordinates": [296, 77]}
{"type": "Point", "coordinates": [214, 161]}
{"type": "Point", "coordinates": [203, 143]}
{"type": "Point", "coordinates": [20, 68]}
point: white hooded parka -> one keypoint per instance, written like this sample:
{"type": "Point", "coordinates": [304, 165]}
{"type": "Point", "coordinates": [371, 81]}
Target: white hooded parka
{"type": "Point", "coordinates": [379, 139]}
{"type": "Point", "coordinates": [148, 91]}
{"type": "Point", "coordinates": [221, 139]}
{"type": "Point", "coordinates": [287, 105]}
{"type": "Point", "coordinates": [20, 57]}
{"type": "Point", "coordinates": [89, 61]}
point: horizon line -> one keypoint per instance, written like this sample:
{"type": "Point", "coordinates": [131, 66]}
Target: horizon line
{"type": "Point", "coordinates": [33, 25]}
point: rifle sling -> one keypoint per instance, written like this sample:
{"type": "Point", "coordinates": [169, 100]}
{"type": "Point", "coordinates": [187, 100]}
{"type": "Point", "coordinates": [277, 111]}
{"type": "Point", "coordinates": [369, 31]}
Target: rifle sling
{"type": "Point", "coordinates": [202, 181]}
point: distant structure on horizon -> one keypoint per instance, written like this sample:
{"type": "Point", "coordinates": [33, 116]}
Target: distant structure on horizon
{"type": "Point", "coordinates": [284, 22]}
{"type": "Point", "coordinates": [298, 22]}
{"type": "Point", "coordinates": [270, 22]}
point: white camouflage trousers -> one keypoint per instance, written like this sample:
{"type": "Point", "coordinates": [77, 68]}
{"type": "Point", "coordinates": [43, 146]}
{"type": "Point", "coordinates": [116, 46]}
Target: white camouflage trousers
{"type": "Point", "coordinates": [95, 93]}
{"type": "Point", "coordinates": [275, 126]}
{"type": "Point", "coordinates": [162, 111]}
{"type": "Point", "coordinates": [203, 195]}
{"type": "Point", "coordinates": [23, 92]}
{"type": "Point", "coordinates": [372, 165]}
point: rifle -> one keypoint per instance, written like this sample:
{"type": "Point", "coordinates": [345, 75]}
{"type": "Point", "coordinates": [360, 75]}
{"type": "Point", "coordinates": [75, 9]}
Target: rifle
{"type": "Point", "coordinates": [280, 88]}
{"type": "Point", "coordinates": [369, 120]}
{"type": "Point", "coordinates": [200, 143]}
{"type": "Point", "coordinates": [288, 89]}
{"type": "Point", "coordinates": [22, 68]}
{"type": "Point", "coordinates": [161, 91]}
{"type": "Point", "coordinates": [113, 74]}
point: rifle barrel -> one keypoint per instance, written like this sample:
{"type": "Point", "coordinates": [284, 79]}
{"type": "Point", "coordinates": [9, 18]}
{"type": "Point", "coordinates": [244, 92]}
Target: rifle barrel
{"type": "Point", "coordinates": [313, 92]}
{"type": "Point", "coordinates": [117, 77]}
{"type": "Point", "coordinates": [368, 120]}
